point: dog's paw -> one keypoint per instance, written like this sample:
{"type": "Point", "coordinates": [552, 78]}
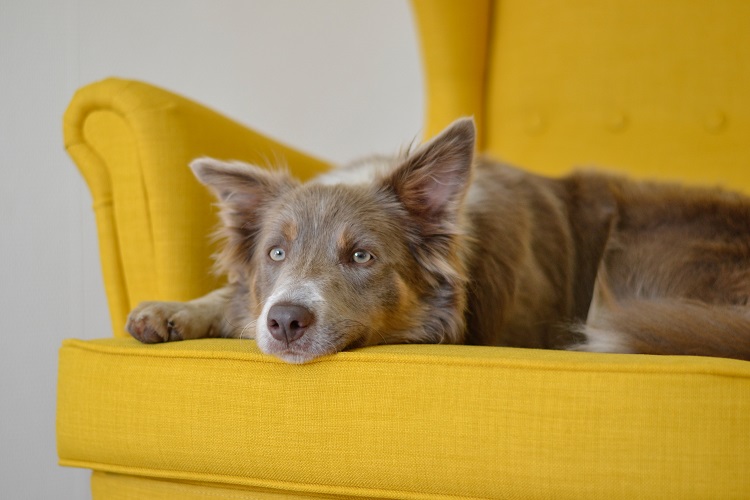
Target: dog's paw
{"type": "Point", "coordinates": [154, 322]}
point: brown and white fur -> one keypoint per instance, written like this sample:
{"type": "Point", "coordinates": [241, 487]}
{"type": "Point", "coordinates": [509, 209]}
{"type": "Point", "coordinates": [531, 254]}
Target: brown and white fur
{"type": "Point", "coordinates": [436, 247]}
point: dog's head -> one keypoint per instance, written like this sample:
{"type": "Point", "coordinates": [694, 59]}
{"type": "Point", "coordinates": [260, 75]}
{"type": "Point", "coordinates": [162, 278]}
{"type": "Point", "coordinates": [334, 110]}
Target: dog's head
{"type": "Point", "coordinates": [331, 267]}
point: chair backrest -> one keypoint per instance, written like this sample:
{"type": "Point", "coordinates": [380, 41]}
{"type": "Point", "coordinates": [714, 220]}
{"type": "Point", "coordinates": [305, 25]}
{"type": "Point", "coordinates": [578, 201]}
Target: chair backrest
{"type": "Point", "coordinates": [654, 89]}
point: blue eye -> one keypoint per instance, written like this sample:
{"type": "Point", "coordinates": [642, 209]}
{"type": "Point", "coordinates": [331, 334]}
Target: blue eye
{"type": "Point", "coordinates": [277, 254]}
{"type": "Point", "coordinates": [361, 256]}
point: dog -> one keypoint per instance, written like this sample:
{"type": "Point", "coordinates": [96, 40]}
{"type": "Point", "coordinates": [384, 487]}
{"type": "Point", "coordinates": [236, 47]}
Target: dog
{"type": "Point", "coordinates": [436, 246]}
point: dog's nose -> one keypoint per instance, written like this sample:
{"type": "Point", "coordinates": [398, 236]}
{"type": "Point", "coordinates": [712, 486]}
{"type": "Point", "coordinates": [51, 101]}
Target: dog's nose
{"type": "Point", "coordinates": [288, 322]}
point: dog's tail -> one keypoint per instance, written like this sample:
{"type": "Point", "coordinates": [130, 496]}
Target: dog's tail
{"type": "Point", "coordinates": [669, 326]}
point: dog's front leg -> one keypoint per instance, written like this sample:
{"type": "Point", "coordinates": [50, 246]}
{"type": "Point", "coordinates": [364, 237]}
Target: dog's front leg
{"type": "Point", "coordinates": [152, 322]}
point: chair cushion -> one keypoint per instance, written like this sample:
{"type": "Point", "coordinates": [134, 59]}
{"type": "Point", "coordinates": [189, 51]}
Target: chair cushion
{"type": "Point", "coordinates": [408, 421]}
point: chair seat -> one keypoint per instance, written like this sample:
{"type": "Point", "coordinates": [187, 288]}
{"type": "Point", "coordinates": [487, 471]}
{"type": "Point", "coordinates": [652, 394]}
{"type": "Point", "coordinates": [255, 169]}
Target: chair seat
{"type": "Point", "coordinates": [406, 421]}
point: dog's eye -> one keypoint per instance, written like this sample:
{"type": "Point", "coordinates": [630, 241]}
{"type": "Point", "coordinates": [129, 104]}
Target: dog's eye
{"type": "Point", "coordinates": [277, 254]}
{"type": "Point", "coordinates": [361, 256]}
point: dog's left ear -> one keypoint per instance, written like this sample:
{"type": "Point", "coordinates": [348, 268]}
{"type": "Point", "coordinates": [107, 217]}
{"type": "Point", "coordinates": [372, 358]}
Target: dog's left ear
{"type": "Point", "coordinates": [432, 181]}
{"type": "Point", "coordinates": [242, 189]}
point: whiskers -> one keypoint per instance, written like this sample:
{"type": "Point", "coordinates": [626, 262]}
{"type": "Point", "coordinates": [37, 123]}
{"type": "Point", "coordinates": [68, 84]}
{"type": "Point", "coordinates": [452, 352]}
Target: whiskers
{"type": "Point", "coordinates": [248, 327]}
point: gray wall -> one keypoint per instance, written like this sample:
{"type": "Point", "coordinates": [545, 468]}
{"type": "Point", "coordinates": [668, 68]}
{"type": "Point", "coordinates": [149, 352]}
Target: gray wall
{"type": "Point", "coordinates": [338, 78]}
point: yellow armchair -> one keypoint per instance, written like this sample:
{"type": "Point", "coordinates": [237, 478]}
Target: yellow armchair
{"type": "Point", "coordinates": [658, 89]}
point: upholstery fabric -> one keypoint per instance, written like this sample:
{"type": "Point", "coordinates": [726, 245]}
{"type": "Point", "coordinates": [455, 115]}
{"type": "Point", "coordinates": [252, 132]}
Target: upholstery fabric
{"type": "Point", "coordinates": [455, 40]}
{"type": "Point", "coordinates": [655, 89]}
{"type": "Point", "coordinates": [409, 421]}
{"type": "Point", "coordinates": [112, 486]}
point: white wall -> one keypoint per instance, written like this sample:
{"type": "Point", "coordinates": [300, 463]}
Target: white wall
{"type": "Point", "coordinates": [339, 78]}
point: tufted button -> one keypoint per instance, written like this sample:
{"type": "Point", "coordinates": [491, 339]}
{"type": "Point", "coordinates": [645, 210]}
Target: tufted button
{"type": "Point", "coordinates": [535, 124]}
{"type": "Point", "coordinates": [617, 121]}
{"type": "Point", "coordinates": [714, 121]}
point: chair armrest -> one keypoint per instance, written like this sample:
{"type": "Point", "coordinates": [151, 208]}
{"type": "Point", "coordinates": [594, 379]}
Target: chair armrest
{"type": "Point", "coordinates": [132, 142]}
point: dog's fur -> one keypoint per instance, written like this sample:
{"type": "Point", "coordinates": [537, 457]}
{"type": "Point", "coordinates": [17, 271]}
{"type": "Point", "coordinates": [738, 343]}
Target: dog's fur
{"type": "Point", "coordinates": [435, 247]}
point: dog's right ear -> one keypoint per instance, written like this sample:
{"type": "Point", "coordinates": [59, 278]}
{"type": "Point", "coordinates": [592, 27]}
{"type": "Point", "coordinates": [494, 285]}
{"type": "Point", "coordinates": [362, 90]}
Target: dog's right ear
{"type": "Point", "coordinates": [241, 188]}
{"type": "Point", "coordinates": [432, 181]}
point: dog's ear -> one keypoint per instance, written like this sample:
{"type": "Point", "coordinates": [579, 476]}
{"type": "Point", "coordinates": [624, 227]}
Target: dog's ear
{"type": "Point", "coordinates": [236, 182]}
{"type": "Point", "coordinates": [432, 181]}
{"type": "Point", "coordinates": [241, 188]}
